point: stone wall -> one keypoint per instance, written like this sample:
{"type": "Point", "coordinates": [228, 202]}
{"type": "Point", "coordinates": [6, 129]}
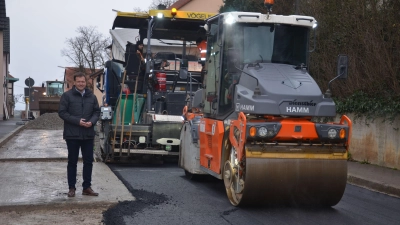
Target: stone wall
{"type": "Point", "coordinates": [376, 142]}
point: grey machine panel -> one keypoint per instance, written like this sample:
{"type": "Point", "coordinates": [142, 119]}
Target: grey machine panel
{"type": "Point", "coordinates": [284, 91]}
{"type": "Point", "coordinates": [166, 127]}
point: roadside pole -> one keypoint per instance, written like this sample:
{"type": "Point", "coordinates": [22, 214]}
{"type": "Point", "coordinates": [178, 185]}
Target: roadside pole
{"type": "Point", "coordinates": [26, 107]}
{"type": "Point", "coordinates": [28, 82]}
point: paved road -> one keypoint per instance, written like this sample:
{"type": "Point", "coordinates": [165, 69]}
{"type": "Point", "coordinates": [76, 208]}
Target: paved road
{"type": "Point", "coordinates": [166, 196]}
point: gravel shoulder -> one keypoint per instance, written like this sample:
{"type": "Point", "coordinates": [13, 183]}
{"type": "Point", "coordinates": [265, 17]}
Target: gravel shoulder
{"type": "Point", "coordinates": [50, 217]}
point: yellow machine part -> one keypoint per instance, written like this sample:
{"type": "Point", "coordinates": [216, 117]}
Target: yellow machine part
{"type": "Point", "coordinates": [292, 178]}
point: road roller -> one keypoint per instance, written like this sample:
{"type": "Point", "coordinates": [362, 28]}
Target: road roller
{"type": "Point", "coordinates": [260, 121]}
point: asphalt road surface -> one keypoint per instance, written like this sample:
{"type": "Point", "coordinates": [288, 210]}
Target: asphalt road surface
{"type": "Point", "coordinates": [165, 196]}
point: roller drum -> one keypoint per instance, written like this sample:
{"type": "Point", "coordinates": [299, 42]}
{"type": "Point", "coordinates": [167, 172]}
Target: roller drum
{"type": "Point", "coordinates": [291, 181]}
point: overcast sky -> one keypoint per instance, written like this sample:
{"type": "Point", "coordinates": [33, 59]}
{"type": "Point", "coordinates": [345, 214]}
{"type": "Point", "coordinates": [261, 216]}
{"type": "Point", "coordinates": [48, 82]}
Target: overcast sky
{"type": "Point", "coordinates": [39, 29]}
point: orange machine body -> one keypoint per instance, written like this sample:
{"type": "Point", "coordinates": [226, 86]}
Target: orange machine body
{"type": "Point", "coordinates": [213, 137]}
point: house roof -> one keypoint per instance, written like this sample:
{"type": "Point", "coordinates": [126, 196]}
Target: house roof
{"type": "Point", "coordinates": [179, 4]}
{"type": "Point", "coordinates": [3, 22]}
{"type": "Point", "coordinates": [209, 6]}
{"type": "Point", "coordinates": [11, 78]}
{"type": "Point", "coordinates": [97, 73]}
{"type": "Point", "coordinates": [6, 36]}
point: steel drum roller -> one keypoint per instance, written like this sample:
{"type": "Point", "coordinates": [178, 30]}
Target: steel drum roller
{"type": "Point", "coordinates": [292, 181]}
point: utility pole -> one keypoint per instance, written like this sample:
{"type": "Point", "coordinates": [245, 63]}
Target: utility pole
{"type": "Point", "coordinates": [29, 99]}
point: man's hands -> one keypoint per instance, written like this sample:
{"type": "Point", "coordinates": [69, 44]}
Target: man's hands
{"type": "Point", "coordinates": [85, 124]}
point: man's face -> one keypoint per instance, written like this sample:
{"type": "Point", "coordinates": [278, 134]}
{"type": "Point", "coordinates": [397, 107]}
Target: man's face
{"type": "Point", "coordinates": [140, 46]}
{"type": "Point", "coordinates": [80, 83]}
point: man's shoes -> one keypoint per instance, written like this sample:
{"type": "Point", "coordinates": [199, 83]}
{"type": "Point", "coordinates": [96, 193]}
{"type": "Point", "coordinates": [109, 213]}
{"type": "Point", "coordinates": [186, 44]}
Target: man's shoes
{"type": "Point", "coordinates": [71, 192]}
{"type": "Point", "coordinates": [90, 192]}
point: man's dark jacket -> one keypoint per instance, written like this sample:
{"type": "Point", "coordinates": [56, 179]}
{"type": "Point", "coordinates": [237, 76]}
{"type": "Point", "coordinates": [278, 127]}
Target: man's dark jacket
{"type": "Point", "coordinates": [73, 108]}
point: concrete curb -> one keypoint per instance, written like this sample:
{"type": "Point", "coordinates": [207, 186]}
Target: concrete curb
{"type": "Point", "coordinates": [374, 186]}
{"type": "Point", "coordinates": [4, 140]}
{"type": "Point", "coordinates": [57, 206]}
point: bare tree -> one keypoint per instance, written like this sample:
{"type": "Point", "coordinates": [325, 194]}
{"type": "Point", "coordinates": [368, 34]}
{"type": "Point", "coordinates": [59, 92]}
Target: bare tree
{"type": "Point", "coordinates": [139, 10]}
{"type": "Point", "coordinates": [88, 49]}
{"type": "Point", "coordinates": [154, 4]}
{"type": "Point", "coordinates": [19, 98]}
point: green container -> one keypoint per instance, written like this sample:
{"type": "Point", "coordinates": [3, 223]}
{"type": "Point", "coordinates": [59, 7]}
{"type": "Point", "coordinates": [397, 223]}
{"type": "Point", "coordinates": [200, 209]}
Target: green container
{"type": "Point", "coordinates": [135, 106]}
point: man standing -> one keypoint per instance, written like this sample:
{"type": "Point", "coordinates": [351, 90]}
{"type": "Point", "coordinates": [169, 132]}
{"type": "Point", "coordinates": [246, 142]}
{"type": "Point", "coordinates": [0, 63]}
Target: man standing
{"type": "Point", "coordinates": [80, 111]}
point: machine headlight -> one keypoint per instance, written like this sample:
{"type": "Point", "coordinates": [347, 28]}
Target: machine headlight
{"type": "Point", "coordinates": [230, 19]}
{"type": "Point", "coordinates": [262, 131]}
{"type": "Point", "coordinates": [332, 133]}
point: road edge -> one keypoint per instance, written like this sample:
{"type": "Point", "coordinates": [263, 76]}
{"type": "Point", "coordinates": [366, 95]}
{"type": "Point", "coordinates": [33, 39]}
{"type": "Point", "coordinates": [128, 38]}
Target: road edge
{"type": "Point", "coordinates": [14, 132]}
{"type": "Point", "coordinates": [374, 186]}
{"type": "Point", "coordinates": [57, 206]}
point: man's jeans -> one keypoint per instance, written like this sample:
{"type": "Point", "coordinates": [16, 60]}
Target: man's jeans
{"type": "Point", "coordinates": [86, 147]}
